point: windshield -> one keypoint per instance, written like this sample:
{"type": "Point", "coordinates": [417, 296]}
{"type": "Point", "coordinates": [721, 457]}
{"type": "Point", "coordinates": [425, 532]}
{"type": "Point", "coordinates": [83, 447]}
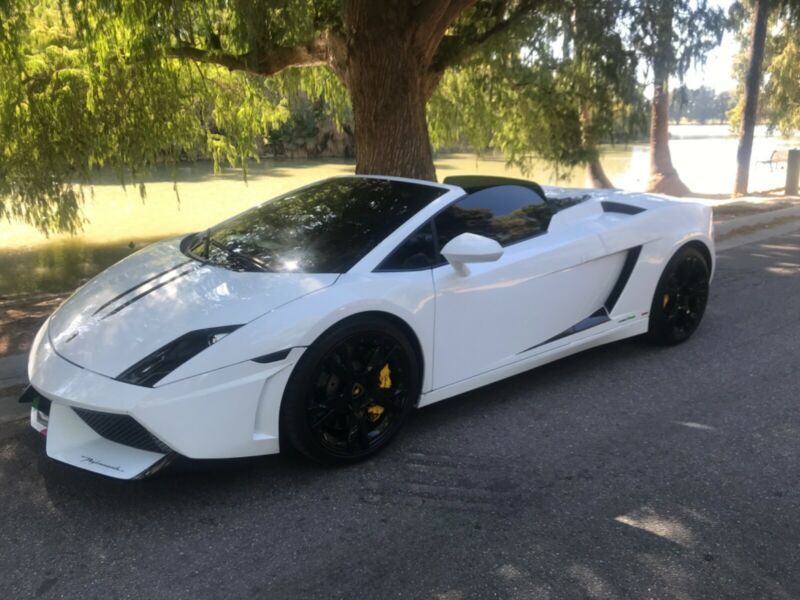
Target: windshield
{"type": "Point", "coordinates": [324, 228]}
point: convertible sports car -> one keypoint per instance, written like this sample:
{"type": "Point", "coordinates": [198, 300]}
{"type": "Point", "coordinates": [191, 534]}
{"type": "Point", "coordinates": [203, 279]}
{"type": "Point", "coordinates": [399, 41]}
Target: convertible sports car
{"type": "Point", "coordinates": [320, 319]}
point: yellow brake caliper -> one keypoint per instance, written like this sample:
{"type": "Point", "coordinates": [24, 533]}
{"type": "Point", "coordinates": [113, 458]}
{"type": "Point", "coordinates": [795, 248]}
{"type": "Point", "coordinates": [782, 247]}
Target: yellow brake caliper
{"type": "Point", "coordinates": [385, 377]}
{"type": "Point", "coordinates": [665, 301]}
{"type": "Point", "coordinates": [384, 382]}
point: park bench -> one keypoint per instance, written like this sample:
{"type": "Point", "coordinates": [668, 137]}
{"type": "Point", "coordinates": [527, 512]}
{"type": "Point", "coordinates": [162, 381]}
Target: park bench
{"type": "Point", "coordinates": [776, 158]}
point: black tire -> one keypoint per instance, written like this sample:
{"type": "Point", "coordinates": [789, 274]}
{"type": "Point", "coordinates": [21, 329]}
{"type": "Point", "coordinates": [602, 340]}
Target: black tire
{"type": "Point", "coordinates": [341, 404]}
{"type": "Point", "coordinates": [680, 298]}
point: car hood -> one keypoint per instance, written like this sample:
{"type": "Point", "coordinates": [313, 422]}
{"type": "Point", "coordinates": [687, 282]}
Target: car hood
{"type": "Point", "coordinates": [158, 294]}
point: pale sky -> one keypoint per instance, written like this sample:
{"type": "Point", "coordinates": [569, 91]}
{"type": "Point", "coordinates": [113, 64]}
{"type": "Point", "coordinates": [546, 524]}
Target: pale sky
{"type": "Point", "coordinates": [716, 73]}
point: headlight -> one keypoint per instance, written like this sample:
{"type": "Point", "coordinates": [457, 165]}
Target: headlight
{"type": "Point", "coordinates": [153, 367]}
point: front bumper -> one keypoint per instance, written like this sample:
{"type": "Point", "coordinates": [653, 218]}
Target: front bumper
{"type": "Point", "coordinates": [124, 431]}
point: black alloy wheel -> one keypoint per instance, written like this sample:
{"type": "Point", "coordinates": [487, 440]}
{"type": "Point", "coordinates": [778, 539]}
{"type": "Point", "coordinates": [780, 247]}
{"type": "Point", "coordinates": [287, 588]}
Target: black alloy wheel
{"type": "Point", "coordinates": [681, 297]}
{"type": "Point", "coordinates": [351, 391]}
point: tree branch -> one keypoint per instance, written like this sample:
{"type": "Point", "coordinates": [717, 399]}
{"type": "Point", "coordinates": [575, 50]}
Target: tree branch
{"type": "Point", "coordinates": [266, 63]}
{"type": "Point", "coordinates": [234, 63]}
{"type": "Point", "coordinates": [455, 49]}
{"type": "Point", "coordinates": [433, 19]}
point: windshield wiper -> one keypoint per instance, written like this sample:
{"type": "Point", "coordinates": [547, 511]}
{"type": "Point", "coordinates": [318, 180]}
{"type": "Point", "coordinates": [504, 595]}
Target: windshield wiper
{"type": "Point", "coordinates": [252, 261]}
{"type": "Point", "coordinates": [240, 256]}
{"type": "Point", "coordinates": [207, 243]}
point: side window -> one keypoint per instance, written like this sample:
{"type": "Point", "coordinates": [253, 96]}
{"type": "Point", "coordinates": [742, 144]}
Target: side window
{"type": "Point", "coordinates": [416, 252]}
{"type": "Point", "coordinates": [507, 213]}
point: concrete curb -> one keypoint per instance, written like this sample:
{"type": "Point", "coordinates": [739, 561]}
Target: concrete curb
{"type": "Point", "coordinates": [773, 222]}
{"type": "Point", "coordinates": [754, 228]}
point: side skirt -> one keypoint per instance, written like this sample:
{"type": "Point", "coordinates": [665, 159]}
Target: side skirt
{"type": "Point", "coordinates": [627, 329]}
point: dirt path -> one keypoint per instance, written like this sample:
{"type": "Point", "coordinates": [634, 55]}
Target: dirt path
{"type": "Point", "coordinates": [20, 318]}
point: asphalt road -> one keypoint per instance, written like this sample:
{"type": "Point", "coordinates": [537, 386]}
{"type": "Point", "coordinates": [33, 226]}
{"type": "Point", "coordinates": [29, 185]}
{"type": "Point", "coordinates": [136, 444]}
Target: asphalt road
{"type": "Point", "coordinates": [625, 472]}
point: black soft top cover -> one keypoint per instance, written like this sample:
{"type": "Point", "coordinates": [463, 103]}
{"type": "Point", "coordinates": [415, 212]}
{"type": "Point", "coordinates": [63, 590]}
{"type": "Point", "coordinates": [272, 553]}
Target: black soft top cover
{"type": "Point", "coordinates": [476, 183]}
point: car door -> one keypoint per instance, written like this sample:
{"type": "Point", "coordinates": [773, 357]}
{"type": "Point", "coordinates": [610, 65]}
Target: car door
{"type": "Point", "coordinates": [503, 311]}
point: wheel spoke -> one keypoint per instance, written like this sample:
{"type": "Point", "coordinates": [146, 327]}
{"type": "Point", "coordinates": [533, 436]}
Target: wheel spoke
{"type": "Point", "coordinates": [672, 308]}
{"type": "Point", "coordinates": [697, 288]}
{"type": "Point", "coordinates": [381, 356]}
{"type": "Point", "coordinates": [357, 432]}
{"type": "Point", "coordinates": [363, 432]}
{"type": "Point", "coordinates": [352, 431]}
{"type": "Point", "coordinates": [342, 368]}
{"type": "Point", "coordinates": [392, 399]}
{"type": "Point", "coordinates": [683, 270]}
{"type": "Point", "coordinates": [322, 420]}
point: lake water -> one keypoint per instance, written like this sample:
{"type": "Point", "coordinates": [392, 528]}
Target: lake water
{"type": "Point", "coordinates": [119, 221]}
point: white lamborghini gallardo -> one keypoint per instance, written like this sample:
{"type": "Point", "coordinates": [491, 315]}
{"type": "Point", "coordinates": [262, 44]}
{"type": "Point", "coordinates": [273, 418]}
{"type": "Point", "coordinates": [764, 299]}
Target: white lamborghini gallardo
{"type": "Point", "coordinates": [320, 319]}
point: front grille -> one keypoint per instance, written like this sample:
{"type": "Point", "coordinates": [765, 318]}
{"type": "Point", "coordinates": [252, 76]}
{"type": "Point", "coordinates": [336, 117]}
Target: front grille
{"type": "Point", "coordinates": [122, 429]}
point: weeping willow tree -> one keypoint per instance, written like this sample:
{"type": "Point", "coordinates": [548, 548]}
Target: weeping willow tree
{"type": "Point", "coordinates": [780, 82]}
{"type": "Point", "coordinates": [671, 36]}
{"type": "Point", "coordinates": [126, 85]}
{"type": "Point", "coordinates": [71, 103]}
{"type": "Point", "coordinates": [602, 69]}
{"type": "Point", "coordinates": [88, 83]}
{"type": "Point", "coordinates": [571, 88]}
{"type": "Point", "coordinates": [782, 85]}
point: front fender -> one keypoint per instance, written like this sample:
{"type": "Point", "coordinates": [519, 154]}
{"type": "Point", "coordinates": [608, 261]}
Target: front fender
{"type": "Point", "coordinates": [406, 295]}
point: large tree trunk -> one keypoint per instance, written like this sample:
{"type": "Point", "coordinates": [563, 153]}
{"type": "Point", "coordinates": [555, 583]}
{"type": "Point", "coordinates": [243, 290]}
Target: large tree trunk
{"type": "Point", "coordinates": [387, 72]}
{"type": "Point", "coordinates": [391, 130]}
{"type": "Point", "coordinates": [594, 168]}
{"type": "Point", "coordinates": [663, 176]}
{"type": "Point", "coordinates": [390, 56]}
{"type": "Point", "coordinates": [758, 36]}
{"type": "Point", "coordinates": [597, 174]}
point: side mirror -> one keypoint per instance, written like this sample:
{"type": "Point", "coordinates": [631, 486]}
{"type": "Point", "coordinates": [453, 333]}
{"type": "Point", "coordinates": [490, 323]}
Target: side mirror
{"type": "Point", "coordinates": [470, 248]}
